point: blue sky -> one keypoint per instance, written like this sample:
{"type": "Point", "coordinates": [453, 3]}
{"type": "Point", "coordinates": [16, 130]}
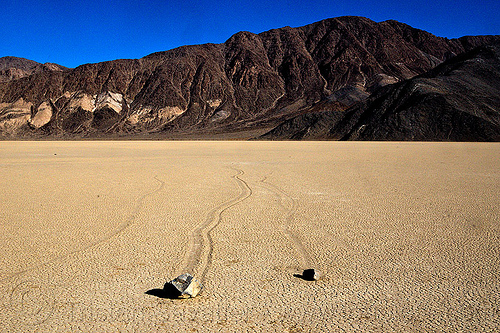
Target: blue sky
{"type": "Point", "coordinates": [72, 33]}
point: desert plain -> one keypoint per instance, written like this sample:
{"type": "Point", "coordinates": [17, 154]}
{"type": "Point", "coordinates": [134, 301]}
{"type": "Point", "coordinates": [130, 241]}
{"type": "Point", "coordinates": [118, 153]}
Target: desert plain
{"type": "Point", "coordinates": [406, 236]}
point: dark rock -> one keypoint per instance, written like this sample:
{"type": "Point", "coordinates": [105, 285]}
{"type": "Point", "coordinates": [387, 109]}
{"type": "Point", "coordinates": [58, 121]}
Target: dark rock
{"type": "Point", "coordinates": [310, 275]}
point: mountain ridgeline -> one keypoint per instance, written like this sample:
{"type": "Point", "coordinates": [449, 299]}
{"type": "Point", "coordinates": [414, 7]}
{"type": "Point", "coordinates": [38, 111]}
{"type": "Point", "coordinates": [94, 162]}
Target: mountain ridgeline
{"type": "Point", "coordinates": [459, 100]}
{"type": "Point", "coordinates": [325, 80]}
{"type": "Point", "coordinates": [12, 68]}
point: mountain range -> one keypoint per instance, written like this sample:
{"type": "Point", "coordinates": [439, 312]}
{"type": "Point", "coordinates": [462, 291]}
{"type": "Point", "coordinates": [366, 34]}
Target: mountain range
{"type": "Point", "coordinates": [346, 78]}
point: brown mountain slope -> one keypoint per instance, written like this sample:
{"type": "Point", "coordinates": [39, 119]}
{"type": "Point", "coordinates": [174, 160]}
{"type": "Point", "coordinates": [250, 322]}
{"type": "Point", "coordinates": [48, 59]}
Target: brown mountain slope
{"type": "Point", "coordinates": [249, 82]}
{"type": "Point", "coordinates": [12, 68]}
{"type": "Point", "coordinates": [458, 100]}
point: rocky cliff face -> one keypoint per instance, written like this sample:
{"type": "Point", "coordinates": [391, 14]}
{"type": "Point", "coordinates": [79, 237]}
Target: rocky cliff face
{"type": "Point", "coordinates": [459, 100]}
{"type": "Point", "coordinates": [251, 81]}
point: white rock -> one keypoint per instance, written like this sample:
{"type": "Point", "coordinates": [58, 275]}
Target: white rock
{"type": "Point", "coordinates": [187, 285]}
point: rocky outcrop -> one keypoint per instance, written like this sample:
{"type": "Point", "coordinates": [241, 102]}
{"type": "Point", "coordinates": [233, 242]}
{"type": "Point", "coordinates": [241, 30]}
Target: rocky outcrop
{"type": "Point", "coordinates": [251, 81]}
{"type": "Point", "coordinates": [459, 100]}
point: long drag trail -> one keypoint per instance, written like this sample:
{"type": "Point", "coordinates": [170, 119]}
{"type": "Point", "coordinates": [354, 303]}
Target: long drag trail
{"type": "Point", "coordinates": [289, 204]}
{"type": "Point", "coordinates": [124, 225]}
{"type": "Point", "coordinates": [201, 243]}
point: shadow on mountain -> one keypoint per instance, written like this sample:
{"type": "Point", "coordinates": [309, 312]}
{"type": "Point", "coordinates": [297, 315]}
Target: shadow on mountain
{"type": "Point", "coordinates": [459, 100]}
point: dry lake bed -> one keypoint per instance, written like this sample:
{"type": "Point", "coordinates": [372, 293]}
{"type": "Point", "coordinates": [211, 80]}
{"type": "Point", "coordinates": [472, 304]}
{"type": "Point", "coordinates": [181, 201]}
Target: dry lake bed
{"type": "Point", "coordinates": [405, 235]}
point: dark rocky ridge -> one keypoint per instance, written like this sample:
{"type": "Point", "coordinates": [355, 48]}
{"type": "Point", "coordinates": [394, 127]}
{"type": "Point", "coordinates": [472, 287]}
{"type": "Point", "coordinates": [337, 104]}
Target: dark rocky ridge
{"type": "Point", "coordinates": [12, 68]}
{"type": "Point", "coordinates": [459, 100]}
{"type": "Point", "coordinates": [251, 81]}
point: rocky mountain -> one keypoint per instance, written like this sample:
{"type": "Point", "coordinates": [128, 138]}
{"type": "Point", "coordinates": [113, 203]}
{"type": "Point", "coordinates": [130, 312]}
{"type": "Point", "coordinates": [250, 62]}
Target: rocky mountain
{"type": "Point", "coordinates": [12, 68]}
{"type": "Point", "coordinates": [459, 100]}
{"type": "Point", "coordinates": [252, 82]}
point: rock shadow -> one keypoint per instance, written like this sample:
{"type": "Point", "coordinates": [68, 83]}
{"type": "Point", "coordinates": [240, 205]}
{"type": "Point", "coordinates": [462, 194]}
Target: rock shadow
{"type": "Point", "coordinates": [300, 276]}
{"type": "Point", "coordinates": [307, 275]}
{"type": "Point", "coordinates": [168, 291]}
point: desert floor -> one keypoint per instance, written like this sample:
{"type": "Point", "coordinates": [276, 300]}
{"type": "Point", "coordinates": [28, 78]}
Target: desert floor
{"type": "Point", "coordinates": [406, 235]}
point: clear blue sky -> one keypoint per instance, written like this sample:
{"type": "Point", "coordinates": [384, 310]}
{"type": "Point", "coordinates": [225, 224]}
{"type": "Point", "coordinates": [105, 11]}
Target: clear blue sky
{"type": "Point", "coordinates": [72, 33]}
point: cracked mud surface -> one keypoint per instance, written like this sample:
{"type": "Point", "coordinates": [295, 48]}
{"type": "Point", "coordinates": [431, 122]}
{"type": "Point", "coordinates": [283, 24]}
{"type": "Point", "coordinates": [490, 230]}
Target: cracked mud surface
{"type": "Point", "coordinates": [406, 235]}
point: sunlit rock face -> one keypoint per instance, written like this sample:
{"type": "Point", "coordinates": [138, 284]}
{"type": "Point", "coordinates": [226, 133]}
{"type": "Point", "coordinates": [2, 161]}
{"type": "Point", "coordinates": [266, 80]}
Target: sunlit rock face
{"type": "Point", "coordinates": [42, 115]}
{"type": "Point", "coordinates": [250, 82]}
{"type": "Point", "coordinates": [79, 100]}
{"type": "Point", "coordinates": [13, 116]}
{"type": "Point", "coordinates": [110, 100]}
{"type": "Point", "coordinates": [149, 116]}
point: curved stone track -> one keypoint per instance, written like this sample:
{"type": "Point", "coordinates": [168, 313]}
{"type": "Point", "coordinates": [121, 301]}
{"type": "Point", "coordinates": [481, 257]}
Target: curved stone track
{"type": "Point", "coordinates": [32, 300]}
{"type": "Point", "coordinates": [122, 227]}
{"type": "Point", "coordinates": [289, 204]}
{"type": "Point", "coordinates": [199, 258]}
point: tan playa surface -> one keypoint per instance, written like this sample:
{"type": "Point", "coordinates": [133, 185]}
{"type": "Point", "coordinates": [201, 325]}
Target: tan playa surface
{"type": "Point", "coordinates": [406, 235]}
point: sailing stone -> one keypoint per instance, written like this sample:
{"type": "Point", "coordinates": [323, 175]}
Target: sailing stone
{"type": "Point", "coordinates": [187, 285]}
